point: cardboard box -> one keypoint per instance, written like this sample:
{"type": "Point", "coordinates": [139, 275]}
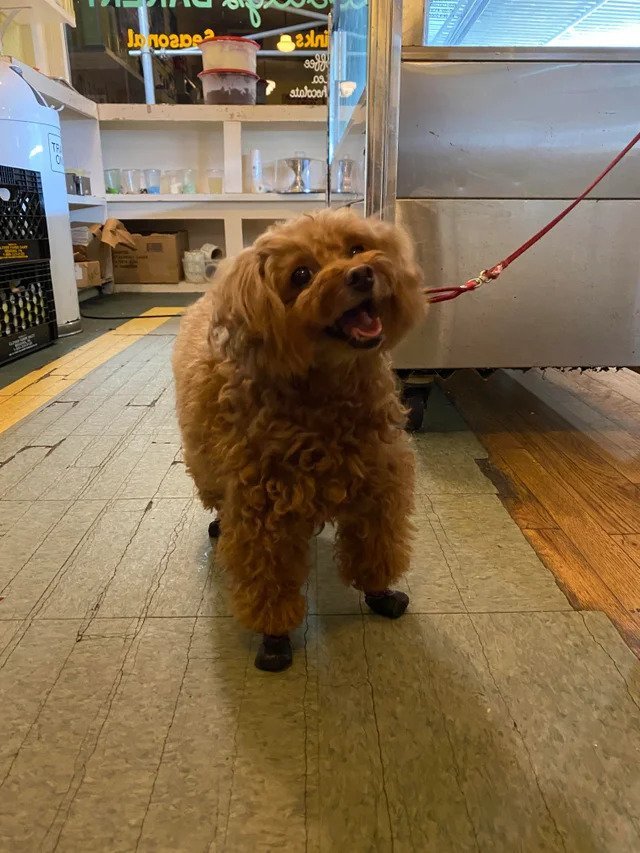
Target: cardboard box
{"type": "Point", "coordinates": [156, 259]}
{"type": "Point", "coordinates": [95, 243]}
{"type": "Point", "coordinates": [87, 274]}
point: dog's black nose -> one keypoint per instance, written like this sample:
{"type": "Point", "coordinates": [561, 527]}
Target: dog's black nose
{"type": "Point", "coordinates": [361, 278]}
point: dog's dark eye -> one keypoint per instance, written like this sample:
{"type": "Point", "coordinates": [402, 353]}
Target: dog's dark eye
{"type": "Point", "coordinates": [301, 276]}
{"type": "Point", "coordinates": [356, 250]}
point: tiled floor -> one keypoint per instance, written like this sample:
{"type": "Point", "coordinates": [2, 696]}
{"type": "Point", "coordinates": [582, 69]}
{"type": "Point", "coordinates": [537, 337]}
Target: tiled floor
{"type": "Point", "coordinates": [492, 717]}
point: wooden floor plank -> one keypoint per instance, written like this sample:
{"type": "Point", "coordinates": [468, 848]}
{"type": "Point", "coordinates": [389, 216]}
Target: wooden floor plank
{"type": "Point", "coordinates": [583, 586]}
{"type": "Point", "coordinates": [610, 497]}
{"type": "Point", "coordinates": [625, 382]}
{"type": "Point", "coordinates": [631, 545]}
{"type": "Point", "coordinates": [613, 405]}
{"type": "Point", "coordinates": [619, 449]}
{"type": "Point", "coordinates": [609, 560]}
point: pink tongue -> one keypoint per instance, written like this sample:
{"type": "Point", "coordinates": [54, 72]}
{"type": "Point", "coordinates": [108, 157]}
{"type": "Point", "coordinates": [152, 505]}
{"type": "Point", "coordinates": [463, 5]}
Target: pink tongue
{"type": "Point", "coordinates": [363, 325]}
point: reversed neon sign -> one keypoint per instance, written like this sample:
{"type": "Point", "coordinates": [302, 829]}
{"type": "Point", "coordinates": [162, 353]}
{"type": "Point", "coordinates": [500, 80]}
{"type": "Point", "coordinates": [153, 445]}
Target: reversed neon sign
{"type": "Point", "coordinates": [253, 7]}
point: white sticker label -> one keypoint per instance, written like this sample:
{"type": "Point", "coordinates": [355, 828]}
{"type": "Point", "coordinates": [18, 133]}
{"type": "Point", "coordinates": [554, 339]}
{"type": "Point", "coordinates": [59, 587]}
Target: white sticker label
{"type": "Point", "coordinates": [78, 272]}
{"type": "Point", "coordinates": [55, 153]}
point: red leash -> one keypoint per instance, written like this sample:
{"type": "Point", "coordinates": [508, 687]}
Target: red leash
{"type": "Point", "coordinates": [444, 294]}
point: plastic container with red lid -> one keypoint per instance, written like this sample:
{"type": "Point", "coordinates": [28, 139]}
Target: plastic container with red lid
{"type": "Point", "coordinates": [229, 52]}
{"type": "Point", "coordinates": [228, 86]}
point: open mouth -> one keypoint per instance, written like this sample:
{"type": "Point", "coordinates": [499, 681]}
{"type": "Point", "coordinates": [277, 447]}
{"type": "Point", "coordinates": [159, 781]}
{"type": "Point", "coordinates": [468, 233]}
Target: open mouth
{"type": "Point", "coordinates": [360, 327]}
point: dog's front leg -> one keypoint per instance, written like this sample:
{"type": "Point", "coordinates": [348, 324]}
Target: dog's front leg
{"type": "Point", "coordinates": [268, 561]}
{"type": "Point", "coordinates": [375, 530]}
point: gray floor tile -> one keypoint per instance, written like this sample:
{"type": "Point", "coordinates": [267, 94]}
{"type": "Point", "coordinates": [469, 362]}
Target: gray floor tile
{"type": "Point", "coordinates": [179, 590]}
{"type": "Point", "coordinates": [140, 570]}
{"type": "Point", "coordinates": [18, 465]}
{"type": "Point", "coordinates": [578, 720]}
{"type": "Point", "coordinates": [450, 472]}
{"type": "Point", "coordinates": [145, 479]}
{"type": "Point", "coordinates": [10, 514]}
{"type": "Point", "coordinates": [189, 804]}
{"type": "Point", "coordinates": [28, 672]}
{"type": "Point", "coordinates": [43, 478]}
{"type": "Point", "coordinates": [8, 628]}
{"type": "Point", "coordinates": [51, 760]}
{"type": "Point", "coordinates": [123, 760]}
{"type": "Point", "coordinates": [457, 775]}
{"type": "Point", "coordinates": [113, 475]}
{"type": "Point", "coordinates": [494, 566]}
{"type": "Point", "coordinates": [79, 590]}
{"type": "Point", "coordinates": [426, 443]}
{"type": "Point", "coordinates": [606, 636]}
{"type": "Point", "coordinates": [23, 539]}
{"type": "Point", "coordinates": [30, 590]}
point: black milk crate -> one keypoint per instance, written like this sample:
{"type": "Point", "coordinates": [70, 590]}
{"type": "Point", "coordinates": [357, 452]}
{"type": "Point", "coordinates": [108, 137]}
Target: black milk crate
{"type": "Point", "coordinates": [23, 222]}
{"type": "Point", "coordinates": [27, 308]}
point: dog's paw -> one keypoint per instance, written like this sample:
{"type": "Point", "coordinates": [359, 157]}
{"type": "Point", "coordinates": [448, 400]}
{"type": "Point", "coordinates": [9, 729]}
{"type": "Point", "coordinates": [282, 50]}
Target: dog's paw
{"type": "Point", "coordinates": [214, 529]}
{"type": "Point", "coordinates": [274, 654]}
{"type": "Point", "coordinates": [390, 603]}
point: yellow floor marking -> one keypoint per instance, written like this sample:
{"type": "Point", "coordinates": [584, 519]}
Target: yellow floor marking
{"type": "Point", "coordinates": [153, 312]}
{"type": "Point", "coordinates": [30, 392]}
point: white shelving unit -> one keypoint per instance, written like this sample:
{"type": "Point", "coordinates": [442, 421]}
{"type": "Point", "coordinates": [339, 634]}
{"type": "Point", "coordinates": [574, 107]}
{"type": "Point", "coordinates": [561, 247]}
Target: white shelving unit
{"type": "Point", "coordinates": [231, 208]}
{"type": "Point", "coordinates": [96, 137]}
{"type": "Point", "coordinates": [167, 137]}
{"type": "Point", "coordinates": [79, 202]}
{"type": "Point", "coordinates": [202, 114]}
{"type": "Point", "coordinates": [209, 203]}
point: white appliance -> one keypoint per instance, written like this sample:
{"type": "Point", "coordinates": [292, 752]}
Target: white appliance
{"type": "Point", "coordinates": [30, 139]}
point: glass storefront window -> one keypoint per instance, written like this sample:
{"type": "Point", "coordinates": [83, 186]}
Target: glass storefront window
{"type": "Point", "coordinates": [105, 47]}
{"type": "Point", "coordinates": [522, 23]}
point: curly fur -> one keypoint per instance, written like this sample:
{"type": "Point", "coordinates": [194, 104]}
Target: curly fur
{"type": "Point", "coordinates": [285, 427]}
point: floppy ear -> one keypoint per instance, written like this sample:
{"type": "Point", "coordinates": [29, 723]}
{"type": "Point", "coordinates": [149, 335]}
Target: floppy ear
{"type": "Point", "coordinates": [247, 303]}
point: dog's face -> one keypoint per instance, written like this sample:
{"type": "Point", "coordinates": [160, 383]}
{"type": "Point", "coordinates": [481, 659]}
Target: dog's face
{"type": "Point", "coordinates": [324, 288]}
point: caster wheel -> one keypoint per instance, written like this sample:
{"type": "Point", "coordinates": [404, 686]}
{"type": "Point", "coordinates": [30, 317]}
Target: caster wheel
{"type": "Point", "coordinates": [415, 417]}
{"type": "Point", "coordinates": [214, 529]}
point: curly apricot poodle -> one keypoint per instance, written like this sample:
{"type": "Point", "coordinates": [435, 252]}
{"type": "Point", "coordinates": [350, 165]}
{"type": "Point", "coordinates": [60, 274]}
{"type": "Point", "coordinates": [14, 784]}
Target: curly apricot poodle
{"type": "Point", "coordinates": [290, 414]}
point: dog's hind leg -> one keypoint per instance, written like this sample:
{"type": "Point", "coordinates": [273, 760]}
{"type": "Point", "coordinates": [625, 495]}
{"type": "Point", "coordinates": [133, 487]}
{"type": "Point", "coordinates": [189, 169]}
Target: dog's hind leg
{"type": "Point", "coordinates": [212, 501]}
{"type": "Point", "coordinates": [214, 528]}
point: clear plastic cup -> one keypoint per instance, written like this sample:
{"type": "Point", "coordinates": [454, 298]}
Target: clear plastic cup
{"type": "Point", "coordinates": [190, 181]}
{"type": "Point", "coordinates": [215, 177]}
{"type": "Point", "coordinates": [176, 181]}
{"type": "Point", "coordinates": [152, 180]}
{"type": "Point", "coordinates": [131, 181]}
{"type": "Point", "coordinates": [113, 181]}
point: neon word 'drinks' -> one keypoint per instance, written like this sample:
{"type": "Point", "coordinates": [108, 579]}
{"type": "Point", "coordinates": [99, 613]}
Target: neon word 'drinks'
{"type": "Point", "coordinates": [312, 40]}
